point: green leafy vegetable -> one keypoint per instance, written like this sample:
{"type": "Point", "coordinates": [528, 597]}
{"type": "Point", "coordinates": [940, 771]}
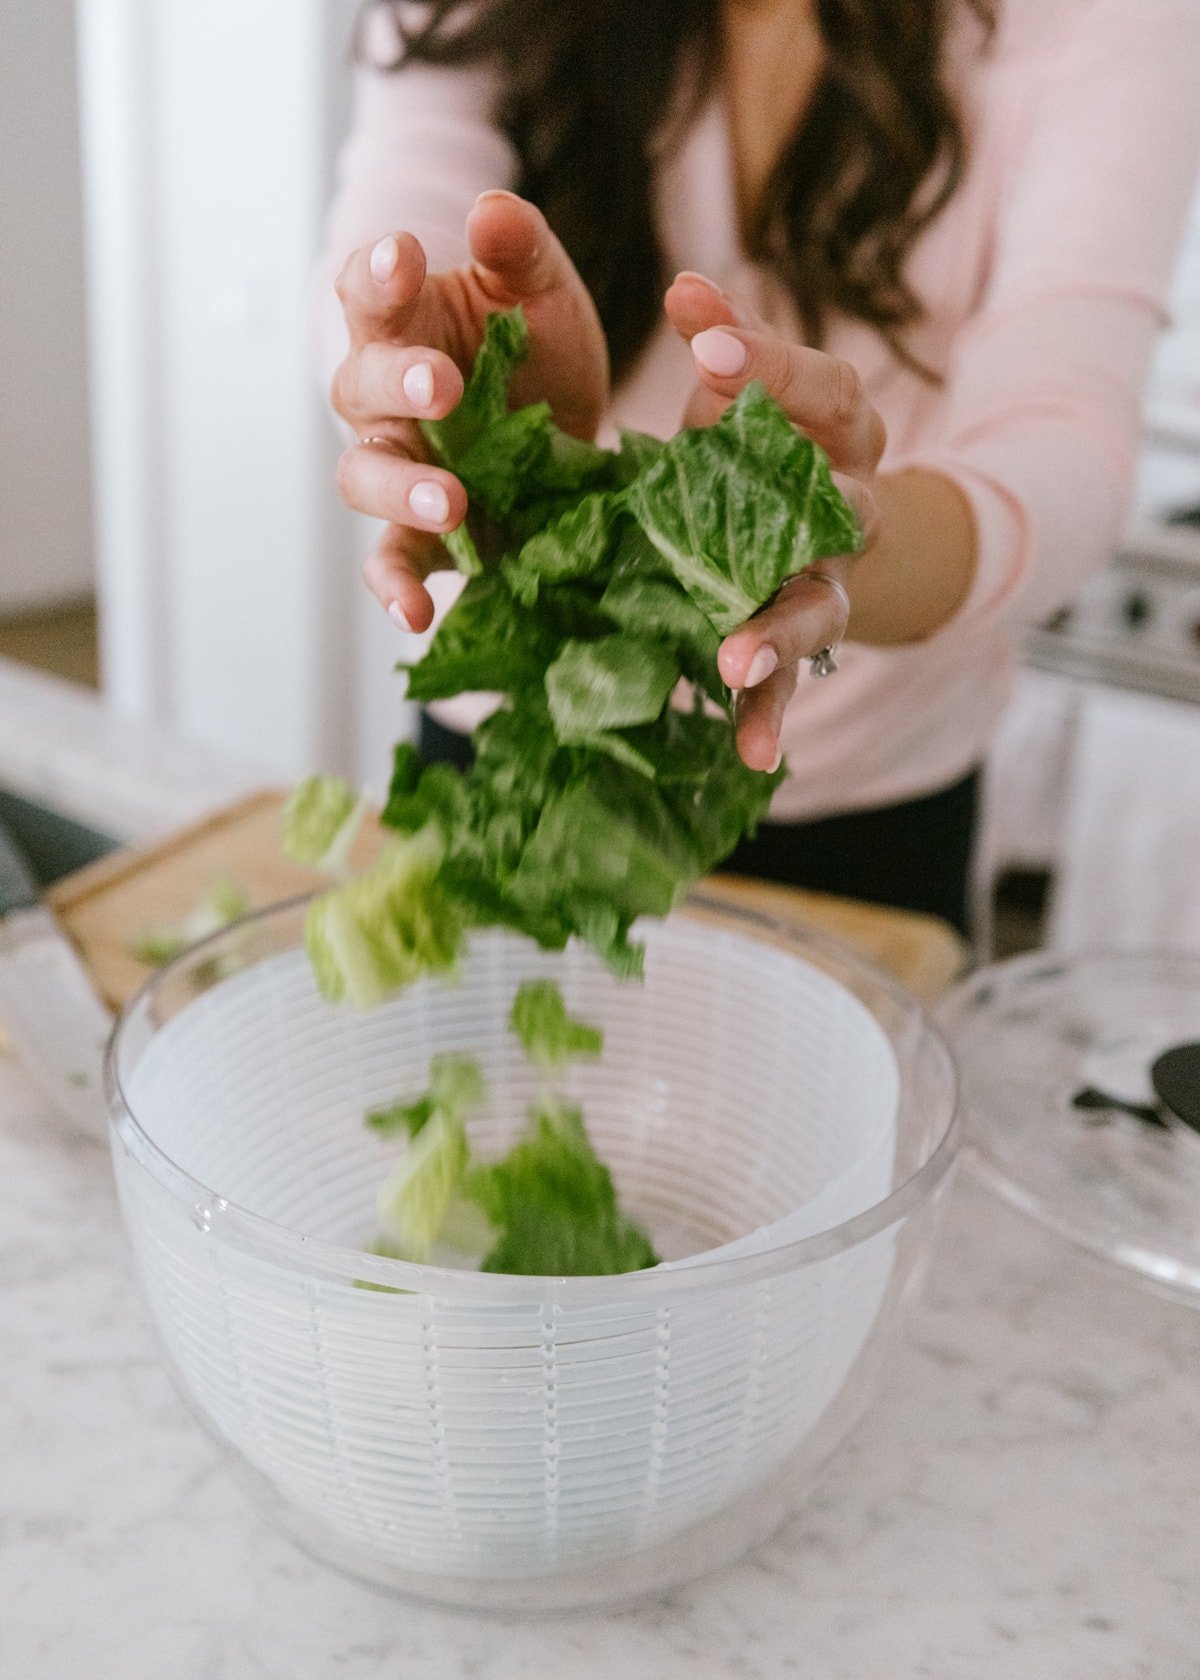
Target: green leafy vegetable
{"type": "Point", "coordinates": [387, 927]}
{"type": "Point", "coordinates": [548, 1035]}
{"type": "Point", "coordinates": [554, 1205]}
{"type": "Point", "coordinates": [413, 1199]}
{"type": "Point", "coordinates": [602, 579]}
{"type": "Point", "coordinates": [485, 400]}
{"type": "Point", "coordinates": [574, 545]}
{"type": "Point", "coordinates": [608, 683]}
{"type": "Point", "coordinates": [320, 822]}
{"type": "Point", "coordinates": [737, 508]}
{"type": "Point", "coordinates": [224, 902]}
{"type": "Point", "coordinates": [416, 1201]}
{"type": "Point", "coordinates": [455, 1087]}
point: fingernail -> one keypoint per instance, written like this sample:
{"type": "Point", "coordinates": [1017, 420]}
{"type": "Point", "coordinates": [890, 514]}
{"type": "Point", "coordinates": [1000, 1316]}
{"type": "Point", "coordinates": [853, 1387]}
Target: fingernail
{"type": "Point", "coordinates": [776, 761]}
{"type": "Point", "coordinates": [418, 384]}
{"type": "Point", "coordinates": [384, 259]}
{"type": "Point", "coordinates": [719, 352]}
{"type": "Point", "coordinates": [701, 279]}
{"type": "Point", "coordinates": [764, 662]}
{"type": "Point", "coordinates": [497, 192]}
{"type": "Point", "coordinates": [398, 618]}
{"type": "Point", "coordinates": [429, 501]}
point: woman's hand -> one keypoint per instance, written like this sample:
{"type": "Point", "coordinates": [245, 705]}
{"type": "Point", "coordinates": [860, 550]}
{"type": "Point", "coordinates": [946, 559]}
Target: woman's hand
{"type": "Point", "coordinates": [824, 398]}
{"type": "Point", "coordinates": [413, 337]}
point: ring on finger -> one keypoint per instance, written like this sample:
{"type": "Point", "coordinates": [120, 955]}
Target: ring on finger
{"type": "Point", "coordinates": [386, 443]}
{"type": "Point", "coordinates": [824, 663]}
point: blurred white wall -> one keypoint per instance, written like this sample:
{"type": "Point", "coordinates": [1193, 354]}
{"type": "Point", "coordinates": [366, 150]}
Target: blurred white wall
{"type": "Point", "coordinates": [45, 471]}
{"type": "Point", "coordinates": [227, 569]}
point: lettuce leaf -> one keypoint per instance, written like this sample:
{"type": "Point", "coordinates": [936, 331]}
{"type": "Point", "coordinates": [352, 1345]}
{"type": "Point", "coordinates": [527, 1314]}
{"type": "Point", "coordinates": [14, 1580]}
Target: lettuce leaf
{"type": "Point", "coordinates": [320, 822]}
{"type": "Point", "coordinates": [455, 1087]}
{"type": "Point", "coordinates": [574, 545]}
{"type": "Point", "coordinates": [414, 1198]}
{"type": "Point", "coordinates": [737, 508]}
{"type": "Point", "coordinates": [225, 901]}
{"type": "Point", "coordinates": [549, 1036]}
{"type": "Point", "coordinates": [487, 641]}
{"type": "Point", "coordinates": [554, 1205]}
{"type": "Point", "coordinates": [386, 928]}
{"type": "Point", "coordinates": [609, 683]}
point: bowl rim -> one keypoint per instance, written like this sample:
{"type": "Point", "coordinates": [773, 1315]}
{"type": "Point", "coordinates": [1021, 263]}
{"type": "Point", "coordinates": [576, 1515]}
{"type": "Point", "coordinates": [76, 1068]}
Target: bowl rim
{"type": "Point", "coordinates": [317, 1256]}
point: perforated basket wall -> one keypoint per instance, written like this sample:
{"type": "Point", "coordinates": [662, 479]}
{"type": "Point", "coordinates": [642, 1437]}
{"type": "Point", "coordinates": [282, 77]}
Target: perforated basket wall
{"type": "Point", "coordinates": [498, 1429]}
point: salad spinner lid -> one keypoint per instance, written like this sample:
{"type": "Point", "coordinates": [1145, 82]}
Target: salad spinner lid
{"type": "Point", "coordinates": [1081, 1083]}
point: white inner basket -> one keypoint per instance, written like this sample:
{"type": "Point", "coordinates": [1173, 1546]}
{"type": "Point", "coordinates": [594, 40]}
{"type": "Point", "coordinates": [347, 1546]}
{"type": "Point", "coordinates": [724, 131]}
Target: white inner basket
{"type": "Point", "coordinates": [743, 1096]}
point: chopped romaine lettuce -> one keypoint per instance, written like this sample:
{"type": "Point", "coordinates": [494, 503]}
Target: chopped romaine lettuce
{"type": "Point", "coordinates": [548, 1035]}
{"type": "Point", "coordinates": [455, 1087]}
{"type": "Point", "coordinates": [554, 1205]}
{"type": "Point", "coordinates": [320, 822]}
{"type": "Point", "coordinates": [384, 929]}
{"type": "Point", "coordinates": [224, 902]}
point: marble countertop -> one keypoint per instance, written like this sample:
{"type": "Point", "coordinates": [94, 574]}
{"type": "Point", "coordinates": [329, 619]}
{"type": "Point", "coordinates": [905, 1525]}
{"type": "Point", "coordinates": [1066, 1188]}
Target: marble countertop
{"type": "Point", "coordinates": [1022, 1503]}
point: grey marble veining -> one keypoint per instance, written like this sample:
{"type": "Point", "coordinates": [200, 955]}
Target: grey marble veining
{"type": "Point", "coordinates": [1024, 1502]}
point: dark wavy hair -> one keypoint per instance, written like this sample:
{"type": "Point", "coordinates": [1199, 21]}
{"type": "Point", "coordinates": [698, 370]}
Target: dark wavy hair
{"type": "Point", "coordinates": [585, 85]}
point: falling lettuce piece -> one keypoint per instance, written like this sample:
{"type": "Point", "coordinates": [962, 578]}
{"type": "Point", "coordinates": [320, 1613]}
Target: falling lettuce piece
{"type": "Point", "coordinates": [455, 1087]}
{"type": "Point", "coordinates": [320, 822]}
{"type": "Point", "coordinates": [485, 399]}
{"type": "Point", "coordinates": [575, 545]}
{"type": "Point", "coordinates": [549, 1036]}
{"type": "Point", "coordinates": [738, 507]}
{"type": "Point", "coordinates": [413, 1200]}
{"type": "Point", "coordinates": [607, 684]}
{"type": "Point", "coordinates": [419, 1204]}
{"type": "Point", "coordinates": [460, 545]}
{"type": "Point", "coordinates": [487, 641]}
{"type": "Point", "coordinates": [388, 927]}
{"type": "Point", "coordinates": [647, 605]}
{"type": "Point", "coordinates": [516, 466]}
{"type": "Point", "coordinates": [224, 902]}
{"type": "Point", "coordinates": [554, 1205]}
{"type": "Point", "coordinates": [638, 451]}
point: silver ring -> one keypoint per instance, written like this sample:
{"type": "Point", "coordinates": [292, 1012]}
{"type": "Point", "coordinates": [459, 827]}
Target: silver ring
{"type": "Point", "coordinates": [824, 663]}
{"type": "Point", "coordinates": [365, 443]}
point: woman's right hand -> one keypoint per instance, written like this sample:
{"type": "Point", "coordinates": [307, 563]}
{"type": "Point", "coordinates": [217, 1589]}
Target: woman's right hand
{"type": "Point", "coordinates": [413, 338]}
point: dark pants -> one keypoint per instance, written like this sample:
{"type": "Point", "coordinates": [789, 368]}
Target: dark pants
{"type": "Point", "coordinates": [914, 856]}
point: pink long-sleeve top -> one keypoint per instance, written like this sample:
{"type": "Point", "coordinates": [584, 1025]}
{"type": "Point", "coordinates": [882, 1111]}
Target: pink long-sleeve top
{"type": "Point", "coordinates": [1043, 284]}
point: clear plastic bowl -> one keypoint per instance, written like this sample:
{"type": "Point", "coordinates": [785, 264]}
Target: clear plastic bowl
{"type": "Point", "coordinates": [781, 1116]}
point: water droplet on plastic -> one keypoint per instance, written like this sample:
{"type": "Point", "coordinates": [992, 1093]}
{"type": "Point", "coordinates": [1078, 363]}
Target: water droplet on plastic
{"type": "Point", "coordinates": [202, 1218]}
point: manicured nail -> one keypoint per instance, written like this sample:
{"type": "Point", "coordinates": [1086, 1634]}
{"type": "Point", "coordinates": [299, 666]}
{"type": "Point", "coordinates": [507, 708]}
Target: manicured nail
{"type": "Point", "coordinates": [764, 662]}
{"type": "Point", "coordinates": [398, 619]}
{"type": "Point", "coordinates": [719, 352]}
{"type": "Point", "coordinates": [418, 384]}
{"type": "Point", "coordinates": [776, 761]}
{"type": "Point", "coordinates": [384, 258]}
{"type": "Point", "coordinates": [429, 501]}
{"type": "Point", "coordinates": [701, 279]}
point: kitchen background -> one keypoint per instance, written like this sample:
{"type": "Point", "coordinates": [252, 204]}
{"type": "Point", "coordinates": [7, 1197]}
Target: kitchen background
{"type": "Point", "coordinates": [170, 539]}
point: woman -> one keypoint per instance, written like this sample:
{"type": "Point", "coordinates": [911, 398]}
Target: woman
{"type": "Point", "coordinates": [938, 231]}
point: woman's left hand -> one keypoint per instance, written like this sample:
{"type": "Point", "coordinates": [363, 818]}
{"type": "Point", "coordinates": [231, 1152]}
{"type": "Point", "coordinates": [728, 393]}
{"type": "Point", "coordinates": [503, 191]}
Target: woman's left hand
{"type": "Point", "coordinates": [824, 397]}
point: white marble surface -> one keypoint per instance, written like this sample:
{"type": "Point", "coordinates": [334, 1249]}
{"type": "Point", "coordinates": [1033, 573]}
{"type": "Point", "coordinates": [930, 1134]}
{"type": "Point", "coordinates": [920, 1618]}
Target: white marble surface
{"type": "Point", "coordinates": [1024, 1503]}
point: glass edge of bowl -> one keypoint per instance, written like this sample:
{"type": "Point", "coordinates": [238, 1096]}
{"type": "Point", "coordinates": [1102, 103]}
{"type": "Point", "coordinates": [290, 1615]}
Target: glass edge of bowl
{"type": "Point", "coordinates": [336, 1263]}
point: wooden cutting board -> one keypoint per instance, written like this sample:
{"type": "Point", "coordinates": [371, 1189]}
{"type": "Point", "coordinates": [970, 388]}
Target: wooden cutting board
{"type": "Point", "coordinates": [107, 905]}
